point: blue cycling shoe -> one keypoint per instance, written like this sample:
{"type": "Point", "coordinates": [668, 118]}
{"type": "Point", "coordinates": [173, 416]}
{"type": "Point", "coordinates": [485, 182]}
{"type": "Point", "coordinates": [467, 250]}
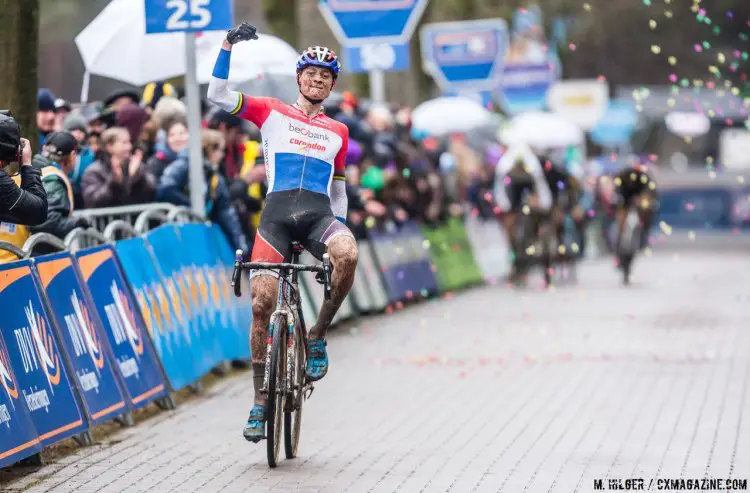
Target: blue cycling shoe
{"type": "Point", "coordinates": [255, 428]}
{"type": "Point", "coordinates": [317, 359]}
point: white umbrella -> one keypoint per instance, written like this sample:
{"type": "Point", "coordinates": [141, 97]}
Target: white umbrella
{"type": "Point", "coordinates": [115, 45]}
{"type": "Point", "coordinates": [445, 115]}
{"type": "Point", "coordinates": [265, 56]}
{"type": "Point", "coordinates": [541, 130]}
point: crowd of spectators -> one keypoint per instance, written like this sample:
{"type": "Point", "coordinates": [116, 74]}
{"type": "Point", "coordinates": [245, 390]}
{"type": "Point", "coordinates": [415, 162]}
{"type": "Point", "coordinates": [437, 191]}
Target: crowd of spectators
{"type": "Point", "coordinates": [133, 149]}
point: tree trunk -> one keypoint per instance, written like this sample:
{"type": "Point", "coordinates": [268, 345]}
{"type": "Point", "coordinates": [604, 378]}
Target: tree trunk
{"type": "Point", "coordinates": [18, 63]}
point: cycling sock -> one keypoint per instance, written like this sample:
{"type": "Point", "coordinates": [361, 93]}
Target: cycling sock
{"type": "Point", "coordinates": [259, 370]}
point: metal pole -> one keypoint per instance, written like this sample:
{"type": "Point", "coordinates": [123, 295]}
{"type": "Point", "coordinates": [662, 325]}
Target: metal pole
{"type": "Point", "coordinates": [192, 89]}
{"type": "Point", "coordinates": [377, 86]}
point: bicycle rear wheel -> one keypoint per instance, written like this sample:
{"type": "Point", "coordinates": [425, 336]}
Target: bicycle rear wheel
{"type": "Point", "coordinates": [276, 390]}
{"type": "Point", "coordinates": [294, 402]}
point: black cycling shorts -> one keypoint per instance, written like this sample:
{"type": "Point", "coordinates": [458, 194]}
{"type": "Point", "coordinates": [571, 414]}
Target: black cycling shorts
{"type": "Point", "coordinates": [516, 189]}
{"type": "Point", "coordinates": [294, 215]}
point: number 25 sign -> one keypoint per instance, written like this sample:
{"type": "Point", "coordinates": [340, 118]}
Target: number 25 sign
{"type": "Point", "coordinates": [163, 16]}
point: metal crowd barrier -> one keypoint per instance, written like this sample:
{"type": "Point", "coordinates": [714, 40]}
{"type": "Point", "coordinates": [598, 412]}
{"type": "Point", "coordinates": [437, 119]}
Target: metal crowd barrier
{"type": "Point", "coordinates": [108, 225]}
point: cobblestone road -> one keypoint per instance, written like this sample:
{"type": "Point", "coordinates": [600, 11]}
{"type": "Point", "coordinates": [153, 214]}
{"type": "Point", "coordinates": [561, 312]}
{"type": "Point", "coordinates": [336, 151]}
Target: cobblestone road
{"type": "Point", "coordinates": [489, 390]}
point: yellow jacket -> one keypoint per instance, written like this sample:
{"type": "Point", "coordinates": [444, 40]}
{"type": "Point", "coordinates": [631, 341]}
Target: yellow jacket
{"type": "Point", "coordinates": [252, 151]}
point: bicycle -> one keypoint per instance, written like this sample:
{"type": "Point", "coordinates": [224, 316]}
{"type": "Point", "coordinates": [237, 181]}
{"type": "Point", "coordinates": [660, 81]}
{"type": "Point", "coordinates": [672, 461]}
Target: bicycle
{"type": "Point", "coordinates": [285, 382]}
{"type": "Point", "coordinates": [535, 235]}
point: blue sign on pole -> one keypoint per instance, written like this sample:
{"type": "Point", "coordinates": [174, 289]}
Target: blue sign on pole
{"type": "Point", "coordinates": [166, 16]}
{"type": "Point", "coordinates": [524, 87]}
{"type": "Point", "coordinates": [465, 55]}
{"type": "Point", "coordinates": [375, 33]}
{"type": "Point", "coordinates": [82, 336]}
{"type": "Point", "coordinates": [379, 56]}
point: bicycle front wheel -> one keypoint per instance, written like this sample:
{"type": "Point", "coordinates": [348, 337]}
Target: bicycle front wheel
{"type": "Point", "coordinates": [293, 407]}
{"type": "Point", "coordinates": [276, 389]}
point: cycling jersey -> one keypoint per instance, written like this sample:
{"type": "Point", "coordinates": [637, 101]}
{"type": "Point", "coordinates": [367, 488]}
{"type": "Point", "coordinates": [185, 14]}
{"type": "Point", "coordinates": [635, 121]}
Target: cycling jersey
{"type": "Point", "coordinates": [301, 152]}
{"type": "Point", "coordinates": [532, 166]}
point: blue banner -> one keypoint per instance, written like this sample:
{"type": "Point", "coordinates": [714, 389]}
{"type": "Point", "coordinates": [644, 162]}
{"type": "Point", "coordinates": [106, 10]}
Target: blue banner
{"type": "Point", "coordinates": [123, 324]}
{"type": "Point", "coordinates": [33, 370]}
{"type": "Point", "coordinates": [230, 336]}
{"type": "Point", "coordinates": [82, 337]}
{"type": "Point", "coordinates": [168, 252]}
{"type": "Point", "coordinates": [465, 54]}
{"type": "Point", "coordinates": [171, 339]}
{"type": "Point", "coordinates": [404, 261]}
{"type": "Point", "coordinates": [719, 208]}
{"type": "Point", "coordinates": [18, 437]}
{"type": "Point", "coordinates": [240, 313]}
{"type": "Point", "coordinates": [617, 124]}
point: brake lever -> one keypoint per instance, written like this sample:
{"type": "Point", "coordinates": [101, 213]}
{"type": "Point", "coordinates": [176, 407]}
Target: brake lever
{"type": "Point", "coordinates": [327, 269]}
{"type": "Point", "coordinates": [236, 281]}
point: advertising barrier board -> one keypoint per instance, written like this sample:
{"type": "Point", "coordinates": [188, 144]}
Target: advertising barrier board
{"type": "Point", "coordinates": [134, 356]}
{"type": "Point", "coordinates": [82, 337]}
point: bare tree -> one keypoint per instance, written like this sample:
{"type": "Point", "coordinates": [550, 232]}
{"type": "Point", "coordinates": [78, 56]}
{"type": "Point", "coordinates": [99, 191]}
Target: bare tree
{"type": "Point", "coordinates": [18, 62]}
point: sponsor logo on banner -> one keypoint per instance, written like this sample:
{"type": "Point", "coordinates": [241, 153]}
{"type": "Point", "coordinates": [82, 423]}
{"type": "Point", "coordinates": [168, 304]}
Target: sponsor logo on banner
{"type": "Point", "coordinates": [85, 342]}
{"type": "Point", "coordinates": [9, 385]}
{"type": "Point", "coordinates": [35, 345]}
{"type": "Point", "coordinates": [583, 102]}
{"type": "Point", "coordinates": [125, 330]}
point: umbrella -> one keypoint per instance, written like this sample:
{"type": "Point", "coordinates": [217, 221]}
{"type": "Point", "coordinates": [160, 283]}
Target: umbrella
{"type": "Point", "coordinates": [265, 56]}
{"type": "Point", "coordinates": [446, 115]}
{"type": "Point", "coordinates": [115, 45]}
{"type": "Point", "coordinates": [541, 130]}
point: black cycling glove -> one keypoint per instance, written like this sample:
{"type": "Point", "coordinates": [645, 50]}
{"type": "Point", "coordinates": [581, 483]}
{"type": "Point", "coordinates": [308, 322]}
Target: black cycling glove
{"type": "Point", "coordinates": [243, 32]}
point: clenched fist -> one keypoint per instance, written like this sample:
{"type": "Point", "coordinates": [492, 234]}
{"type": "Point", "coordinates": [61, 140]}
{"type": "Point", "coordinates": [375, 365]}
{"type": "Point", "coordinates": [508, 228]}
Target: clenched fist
{"type": "Point", "coordinates": [243, 32]}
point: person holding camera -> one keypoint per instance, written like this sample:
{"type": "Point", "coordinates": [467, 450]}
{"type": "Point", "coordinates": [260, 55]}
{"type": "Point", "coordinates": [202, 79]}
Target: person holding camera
{"type": "Point", "coordinates": [22, 198]}
{"type": "Point", "coordinates": [57, 162]}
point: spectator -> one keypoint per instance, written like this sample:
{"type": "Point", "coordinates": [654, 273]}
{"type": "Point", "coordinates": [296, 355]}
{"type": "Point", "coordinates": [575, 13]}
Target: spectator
{"type": "Point", "coordinates": [77, 126]}
{"type": "Point", "coordinates": [169, 107]}
{"type": "Point", "coordinates": [45, 115]}
{"type": "Point", "coordinates": [56, 163]}
{"type": "Point", "coordinates": [118, 99]}
{"type": "Point", "coordinates": [132, 117]}
{"type": "Point", "coordinates": [118, 176]}
{"type": "Point", "coordinates": [174, 188]}
{"type": "Point", "coordinates": [231, 128]}
{"type": "Point", "coordinates": [62, 110]}
{"type": "Point", "coordinates": [169, 145]}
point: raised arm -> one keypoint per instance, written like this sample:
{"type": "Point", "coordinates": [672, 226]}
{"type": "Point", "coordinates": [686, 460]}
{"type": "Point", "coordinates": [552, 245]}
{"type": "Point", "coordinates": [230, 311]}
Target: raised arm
{"type": "Point", "coordinates": [254, 109]}
{"type": "Point", "coordinates": [218, 87]}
